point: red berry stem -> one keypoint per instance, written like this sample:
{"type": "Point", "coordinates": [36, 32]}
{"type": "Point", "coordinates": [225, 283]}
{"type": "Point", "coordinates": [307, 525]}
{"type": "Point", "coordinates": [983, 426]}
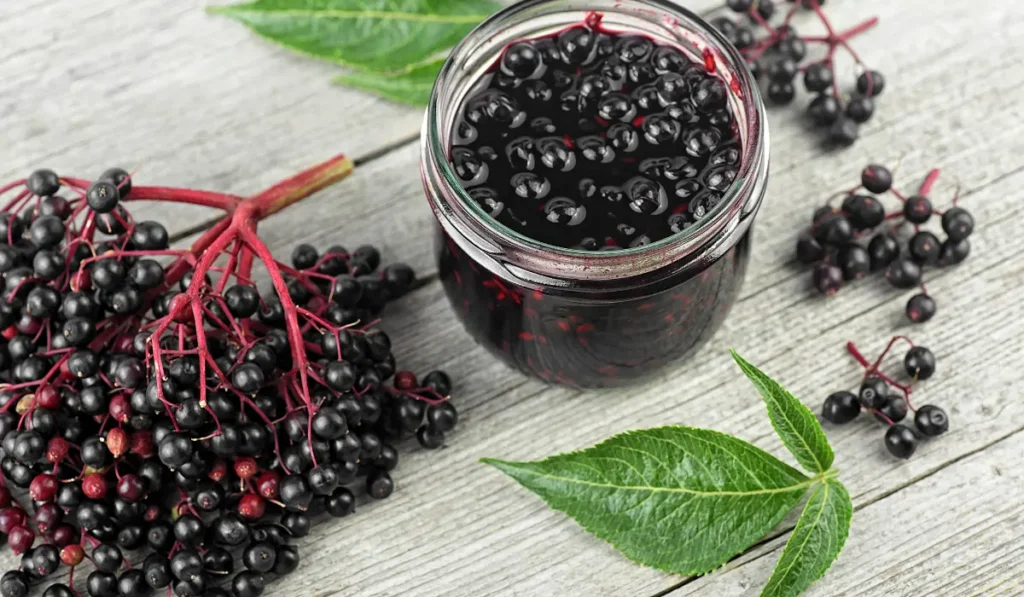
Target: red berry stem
{"type": "Point", "coordinates": [929, 182]}
{"type": "Point", "coordinates": [871, 369]}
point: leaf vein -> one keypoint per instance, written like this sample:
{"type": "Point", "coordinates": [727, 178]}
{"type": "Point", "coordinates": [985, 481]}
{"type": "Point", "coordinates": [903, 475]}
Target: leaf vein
{"type": "Point", "coordinates": [717, 493]}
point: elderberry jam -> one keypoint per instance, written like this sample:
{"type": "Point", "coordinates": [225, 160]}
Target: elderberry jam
{"type": "Point", "coordinates": [596, 139]}
{"type": "Point", "coordinates": [595, 172]}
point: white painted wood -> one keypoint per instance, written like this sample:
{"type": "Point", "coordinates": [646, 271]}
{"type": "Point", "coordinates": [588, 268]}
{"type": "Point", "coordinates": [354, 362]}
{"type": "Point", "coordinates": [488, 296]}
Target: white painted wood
{"type": "Point", "coordinates": [183, 97]}
{"type": "Point", "coordinates": [194, 100]}
{"type": "Point", "coordinates": [497, 539]}
{"type": "Point", "coordinates": [950, 118]}
{"type": "Point", "coordinates": [955, 532]}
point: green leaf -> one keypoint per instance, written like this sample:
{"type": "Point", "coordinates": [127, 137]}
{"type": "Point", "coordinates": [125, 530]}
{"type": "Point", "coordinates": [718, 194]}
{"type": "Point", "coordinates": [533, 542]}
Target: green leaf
{"type": "Point", "coordinates": [678, 499]}
{"type": "Point", "coordinates": [816, 541]}
{"type": "Point", "coordinates": [410, 87]}
{"type": "Point", "coordinates": [794, 422]}
{"type": "Point", "coordinates": [376, 35]}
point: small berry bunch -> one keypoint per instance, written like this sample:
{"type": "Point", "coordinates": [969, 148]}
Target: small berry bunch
{"type": "Point", "coordinates": [876, 396]}
{"type": "Point", "coordinates": [779, 55]}
{"type": "Point", "coordinates": [155, 401]}
{"type": "Point", "coordinates": [834, 243]}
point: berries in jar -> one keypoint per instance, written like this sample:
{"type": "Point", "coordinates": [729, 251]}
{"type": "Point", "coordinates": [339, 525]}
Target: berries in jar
{"type": "Point", "coordinates": [594, 175]}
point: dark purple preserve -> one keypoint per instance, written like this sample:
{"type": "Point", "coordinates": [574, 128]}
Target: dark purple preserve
{"type": "Point", "coordinates": [600, 142]}
{"type": "Point", "coordinates": [596, 140]}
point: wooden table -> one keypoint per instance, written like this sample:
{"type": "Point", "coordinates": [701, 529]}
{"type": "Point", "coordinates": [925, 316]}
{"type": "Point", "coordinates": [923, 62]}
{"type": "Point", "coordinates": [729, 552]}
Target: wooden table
{"type": "Point", "coordinates": [193, 100]}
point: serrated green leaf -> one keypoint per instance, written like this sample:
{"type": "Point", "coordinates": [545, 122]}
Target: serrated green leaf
{"type": "Point", "coordinates": [794, 422]}
{"type": "Point", "coordinates": [816, 541]}
{"type": "Point", "coordinates": [411, 87]}
{"type": "Point", "coordinates": [375, 35]}
{"type": "Point", "coordinates": [679, 499]}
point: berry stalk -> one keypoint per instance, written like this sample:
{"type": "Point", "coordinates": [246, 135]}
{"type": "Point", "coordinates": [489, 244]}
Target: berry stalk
{"type": "Point", "coordinates": [122, 378]}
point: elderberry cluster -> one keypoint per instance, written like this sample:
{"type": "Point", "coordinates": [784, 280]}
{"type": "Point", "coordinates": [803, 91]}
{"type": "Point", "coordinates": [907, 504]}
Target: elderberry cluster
{"type": "Point", "coordinates": [835, 243]}
{"type": "Point", "coordinates": [778, 56]}
{"type": "Point", "coordinates": [889, 401]}
{"type": "Point", "coordinates": [174, 411]}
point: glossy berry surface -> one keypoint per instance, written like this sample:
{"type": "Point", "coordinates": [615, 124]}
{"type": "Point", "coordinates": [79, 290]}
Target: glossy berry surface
{"type": "Point", "coordinates": [919, 363]}
{"type": "Point", "coordinates": [894, 410]}
{"type": "Point", "coordinates": [958, 223]}
{"type": "Point", "coordinates": [917, 209]}
{"type": "Point", "coordinates": [901, 441]}
{"type": "Point", "coordinates": [921, 308]}
{"type": "Point", "coordinates": [876, 178]}
{"type": "Point", "coordinates": [828, 278]}
{"type": "Point", "coordinates": [873, 393]}
{"type": "Point", "coordinates": [841, 407]}
{"type": "Point", "coordinates": [931, 420]}
{"type": "Point", "coordinates": [596, 140]}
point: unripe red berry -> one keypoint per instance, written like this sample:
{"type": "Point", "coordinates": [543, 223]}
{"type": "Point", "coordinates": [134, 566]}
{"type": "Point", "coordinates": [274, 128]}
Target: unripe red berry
{"type": "Point", "coordinates": [94, 486]}
{"type": "Point", "coordinates": [47, 516]}
{"type": "Point", "coordinates": [141, 443]}
{"type": "Point", "coordinates": [10, 518]}
{"type": "Point", "coordinates": [48, 397]}
{"type": "Point", "coordinates": [56, 449]}
{"type": "Point", "coordinates": [218, 471]}
{"type": "Point", "coordinates": [64, 534]}
{"type": "Point", "coordinates": [405, 380]}
{"type": "Point", "coordinates": [180, 308]}
{"type": "Point", "coordinates": [5, 497]}
{"type": "Point", "coordinates": [120, 408]}
{"type": "Point", "coordinates": [131, 488]}
{"type": "Point", "coordinates": [21, 539]}
{"type": "Point", "coordinates": [251, 506]}
{"type": "Point", "coordinates": [117, 440]}
{"type": "Point", "coordinates": [267, 485]}
{"type": "Point", "coordinates": [246, 467]}
{"type": "Point", "coordinates": [43, 487]}
{"type": "Point", "coordinates": [72, 555]}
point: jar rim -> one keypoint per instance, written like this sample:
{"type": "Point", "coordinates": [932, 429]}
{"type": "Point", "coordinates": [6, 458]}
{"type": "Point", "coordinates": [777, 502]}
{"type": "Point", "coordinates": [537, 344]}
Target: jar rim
{"type": "Point", "coordinates": [739, 201]}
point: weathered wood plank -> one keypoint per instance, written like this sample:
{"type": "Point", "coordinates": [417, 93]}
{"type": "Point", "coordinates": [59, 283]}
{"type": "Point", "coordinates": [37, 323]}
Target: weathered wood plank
{"type": "Point", "coordinates": [185, 98]}
{"type": "Point", "coordinates": [495, 543]}
{"type": "Point", "coordinates": [454, 527]}
{"type": "Point", "coordinates": [497, 539]}
{"type": "Point", "coordinates": [920, 62]}
{"type": "Point", "coordinates": [958, 533]}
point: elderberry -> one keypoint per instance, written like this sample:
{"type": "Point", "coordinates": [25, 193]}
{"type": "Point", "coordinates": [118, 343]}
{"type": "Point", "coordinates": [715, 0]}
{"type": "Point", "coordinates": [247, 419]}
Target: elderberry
{"type": "Point", "coordinates": [931, 420]}
{"type": "Point", "coordinates": [901, 441]}
{"type": "Point", "coordinates": [920, 308]}
{"type": "Point", "coordinates": [919, 363]}
{"type": "Point", "coordinates": [841, 407]}
{"type": "Point", "coordinates": [873, 393]}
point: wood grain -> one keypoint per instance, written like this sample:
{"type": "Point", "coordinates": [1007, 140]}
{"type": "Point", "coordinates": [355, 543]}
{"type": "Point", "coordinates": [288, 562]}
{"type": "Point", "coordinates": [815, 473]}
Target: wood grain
{"type": "Point", "coordinates": [920, 64]}
{"type": "Point", "coordinates": [497, 540]}
{"type": "Point", "coordinates": [194, 100]}
{"type": "Point", "coordinates": [945, 537]}
{"type": "Point", "coordinates": [179, 96]}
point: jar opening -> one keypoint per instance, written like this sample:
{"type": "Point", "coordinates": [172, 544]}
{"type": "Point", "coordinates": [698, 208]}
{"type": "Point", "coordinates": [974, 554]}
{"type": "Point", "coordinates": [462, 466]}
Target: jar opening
{"type": "Point", "coordinates": [670, 25]}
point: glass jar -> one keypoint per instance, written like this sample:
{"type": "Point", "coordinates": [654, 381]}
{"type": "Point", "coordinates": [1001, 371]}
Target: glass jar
{"type": "Point", "coordinates": [592, 319]}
